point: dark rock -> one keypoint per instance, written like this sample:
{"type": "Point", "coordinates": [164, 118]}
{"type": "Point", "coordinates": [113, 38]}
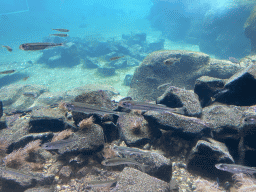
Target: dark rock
{"type": "Point", "coordinates": [107, 71]}
{"type": "Point", "coordinates": [180, 124]}
{"type": "Point", "coordinates": [133, 180]}
{"type": "Point", "coordinates": [14, 180]}
{"type": "Point", "coordinates": [156, 164]}
{"type": "Point", "coordinates": [153, 72]}
{"type": "Point", "coordinates": [206, 87]}
{"type": "Point", "coordinates": [223, 35]}
{"type": "Point", "coordinates": [237, 89]}
{"type": "Point", "coordinates": [110, 131]}
{"type": "Point", "coordinates": [21, 142]}
{"type": "Point", "coordinates": [48, 119]}
{"type": "Point", "coordinates": [40, 189]}
{"type": "Point", "coordinates": [135, 130]}
{"type": "Point", "coordinates": [205, 155]}
{"type": "Point", "coordinates": [175, 97]}
{"type": "Point", "coordinates": [127, 80]}
{"type": "Point", "coordinates": [88, 139]}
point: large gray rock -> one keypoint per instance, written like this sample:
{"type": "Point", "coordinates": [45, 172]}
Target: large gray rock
{"type": "Point", "coordinates": [158, 69]}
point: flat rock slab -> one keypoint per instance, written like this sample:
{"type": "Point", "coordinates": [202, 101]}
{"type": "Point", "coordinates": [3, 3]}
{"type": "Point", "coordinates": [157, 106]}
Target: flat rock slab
{"type": "Point", "coordinates": [133, 180]}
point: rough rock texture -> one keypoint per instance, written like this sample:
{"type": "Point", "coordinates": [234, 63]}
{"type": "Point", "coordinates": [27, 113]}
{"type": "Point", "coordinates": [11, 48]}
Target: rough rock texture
{"type": "Point", "coordinates": [14, 180]}
{"type": "Point", "coordinates": [175, 97]}
{"type": "Point", "coordinates": [206, 87]}
{"type": "Point", "coordinates": [154, 72]}
{"type": "Point", "coordinates": [178, 123]}
{"type": "Point", "coordinates": [48, 119]}
{"type": "Point", "coordinates": [133, 180]}
{"type": "Point", "coordinates": [206, 154]}
{"type": "Point", "coordinates": [238, 88]}
{"type": "Point", "coordinates": [134, 130]}
{"type": "Point", "coordinates": [157, 165]}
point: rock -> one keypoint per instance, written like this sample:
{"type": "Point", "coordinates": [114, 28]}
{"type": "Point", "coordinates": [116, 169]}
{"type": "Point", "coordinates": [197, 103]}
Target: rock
{"type": "Point", "coordinates": [40, 189]}
{"type": "Point", "coordinates": [223, 118]}
{"type": "Point", "coordinates": [21, 142]}
{"type": "Point", "coordinates": [20, 97]}
{"type": "Point", "coordinates": [250, 29]}
{"type": "Point", "coordinates": [156, 164]}
{"type": "Point", "coordinates": [237, 89]}
{"type": "Point", "coordinates": [135, 130]}
{"type": "Point", "coordinates": [18, 180]}
{"type": "Point", "coordinates": [206, 87]}
{"type": "Point", "coordinates": [175, 97]}
{"type": "Point", "coordinates": [48, 119]}
{"type": "Point", "coordinates": [133, 180]}
{"type": "Point", "coordinates": [205, 155]}
{"type": "Point", "coordinates": [178, 123]}
{"type": "Point", "coordinates": [89, 139]}
{"type": "Point", "coordinates": [48, 98]}
{"type": "Point", "coordinates": [109, 90]}
{"type": "Point", "coordinates": [106, 71]}
{"type": "Point", "coordinates": [153, 72]}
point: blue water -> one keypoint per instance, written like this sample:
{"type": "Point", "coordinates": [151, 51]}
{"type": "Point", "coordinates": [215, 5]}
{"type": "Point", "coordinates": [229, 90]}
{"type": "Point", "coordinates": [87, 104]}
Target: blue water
{"type": "Point", "coordinates": [180, 23]}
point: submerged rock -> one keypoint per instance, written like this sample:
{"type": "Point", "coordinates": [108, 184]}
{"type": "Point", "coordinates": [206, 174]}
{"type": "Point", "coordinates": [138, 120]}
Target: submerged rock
{"type": "Point", "coordinates": [206, 154]}
{"type": "Point", "coordinates": [134, 130]}
{"type": "Point", "coordinates": [175, 97]}
{"type": "Point", "coordinates": [133, 180]}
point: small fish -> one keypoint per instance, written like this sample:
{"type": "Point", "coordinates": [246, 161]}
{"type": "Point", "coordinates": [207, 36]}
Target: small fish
{"type": "Point", "coordinates": [57, 144]}
{"type": "Point", "coordinates": [122, 161]}
{"type": "Point", "coordinates": [7, 72]}
{"type": "Point", "coordinates": [61, 30]}
{"type": "Point", "coordinates": [25, 78]}
{"type": "Point", "coordinates": [30, 94]}
{"type": "Point", "coordinates": [8, 48]}
{"type": "Point", "coordinates": [59, 35]}
{"type": "Point", "coordinates": [89, 109]}
{"type": "Point", "coordinates": [233, 60]}
{"type": "Point", "coordinates": [115, 58]}
{"type": "Point", "coordinates": [108, 184]}
{"type": "Point", "coordinates": [149, 107]}
{"type": "Point", "coordinates": [163, 85]}
{"type": "Point", "coordinates": [234, 168]}
{"type": "Point", "coordinates": [171, 61]}
{"type": "Point", "coordinates": [38, 46]}
{"type": "Point", "coordinates": [129, 150]}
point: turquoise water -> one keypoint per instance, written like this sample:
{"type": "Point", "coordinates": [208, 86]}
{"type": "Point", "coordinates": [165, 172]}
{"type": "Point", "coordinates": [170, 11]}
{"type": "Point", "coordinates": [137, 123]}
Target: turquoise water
{"type": "Point", "coordinates": [101, 20]}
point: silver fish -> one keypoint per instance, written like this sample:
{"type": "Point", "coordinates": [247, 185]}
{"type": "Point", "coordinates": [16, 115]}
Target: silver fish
{"type": "Point", "coordinates": [108, 184]}
{"type": "Point", "coordinates": [57, 144]}
{"type": "Point", "coordinates": [89, 109]}
{"type": "Point", "coordinates": [129, 150]}
{"type": "Point", "coordinates": [121, 161]}
{"type": "Point", "coordinates": [149, 107]}
{"type": "Point", "coordinates": [234, 168]}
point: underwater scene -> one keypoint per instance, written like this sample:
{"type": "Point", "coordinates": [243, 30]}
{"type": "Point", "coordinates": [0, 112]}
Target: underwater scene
{"type": "Point", "coordinates": [127, 96]}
